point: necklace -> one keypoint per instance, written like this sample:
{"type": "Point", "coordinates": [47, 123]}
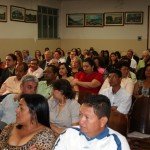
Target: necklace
{"type": "Point", "coordinates": [61, 104]}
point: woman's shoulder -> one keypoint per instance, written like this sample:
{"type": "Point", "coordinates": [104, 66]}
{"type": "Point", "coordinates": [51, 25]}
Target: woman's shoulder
{"type": "Point", "coordinates": [6, 131]}
{"type": "Point", "coordinates": [47, 132]}
{"type": "Point", "coordinates": [44, 139]}
{"type": "Point", "coordinates": [73, 103]}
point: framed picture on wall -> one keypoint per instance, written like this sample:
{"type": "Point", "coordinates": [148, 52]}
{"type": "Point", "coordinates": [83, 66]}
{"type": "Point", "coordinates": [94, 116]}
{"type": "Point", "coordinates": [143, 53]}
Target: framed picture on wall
{"type": "Point", "coordinates": [113, 19]}
{"type": "Point", "coordinates": [148, 29]}
{"type": "Point", "coordinates": [94, 20]}
{"type": "Point", "coordinates": [134, 17]}
{"type": "Point", "coordinates": [75, 20]}
{"type": "Point", "coordinates": [31, 16]}
{"type": "Point", "coordinates": [3, 13]}
{"type": "Point", "coordinates": [17, 13]}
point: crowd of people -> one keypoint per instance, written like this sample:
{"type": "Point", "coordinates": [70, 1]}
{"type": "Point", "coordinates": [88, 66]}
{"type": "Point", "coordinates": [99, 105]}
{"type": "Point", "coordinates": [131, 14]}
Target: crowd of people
{"type": "Point", "coordinates": [38, 104]}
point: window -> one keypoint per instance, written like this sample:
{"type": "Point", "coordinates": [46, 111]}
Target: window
{"type": "Point", "coordinates": [47, 22]}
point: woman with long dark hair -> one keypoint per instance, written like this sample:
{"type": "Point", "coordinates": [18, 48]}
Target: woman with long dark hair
{"type": "Point", "coordinates": [32, 125]}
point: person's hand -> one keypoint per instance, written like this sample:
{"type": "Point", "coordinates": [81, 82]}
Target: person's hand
{"type": "Point", "coordinates": [113, 108]}
{"type": "Point", "coordinates": [33, 147]}
{"type": "Point", "coordinates": [74, 82]}
{"type": "Point", "coordinates": [17, 97]}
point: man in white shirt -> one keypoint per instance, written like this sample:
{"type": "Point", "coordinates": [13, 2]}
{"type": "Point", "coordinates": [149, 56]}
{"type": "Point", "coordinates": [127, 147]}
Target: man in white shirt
{"type": "Point", "coordinates": [57, 55]}
{"type": "Point", "coordinates": [12, 84]}
{"type": "Point", "coordinates": [119, 97]}
{"type": "Point", "coordinates": [93, 133]}
{"type": "Point", "coordinates": [126, 81]}
{"type": "Point", "coordinates": [133, 63]}
{"type": "Point", "coordinates": [34, 69]}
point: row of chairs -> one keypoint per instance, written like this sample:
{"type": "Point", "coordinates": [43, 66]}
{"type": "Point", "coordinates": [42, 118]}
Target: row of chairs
{"type": "Point", "coordinates": [137, 120]}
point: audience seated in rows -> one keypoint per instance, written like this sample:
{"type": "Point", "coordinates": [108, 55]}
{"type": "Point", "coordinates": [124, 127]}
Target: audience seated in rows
{"type": "Point", "coordinates": [86, 79]}
{"type": "Point", "coordinates": [120, 99]}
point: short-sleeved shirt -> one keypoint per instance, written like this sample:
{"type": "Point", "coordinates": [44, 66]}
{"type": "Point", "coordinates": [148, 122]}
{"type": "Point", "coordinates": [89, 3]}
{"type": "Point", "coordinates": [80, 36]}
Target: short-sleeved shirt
{"type": "Point", "coordinates": [74, 139]}
{"type": "Point", "coordinates": [121, 99]}
{"type": "Point", "coordinates": [81, 76]}
{"type": "Point", "coordinates": [44, 89]}
{"type": "Point", "coordinates": [8, 109]}
{"type": "Point", "coordinates": [38, 73]}
{"type": "Point", "coordinates": [11, 85]}
{"type": "Point", "coordinates": [141, 64]}
{"type": "Point", "coordinates": [67, 116]}
{"type": "Point", "coordinates": [143, 90]}
{"type": "Point", "coordinates": [126, 83]}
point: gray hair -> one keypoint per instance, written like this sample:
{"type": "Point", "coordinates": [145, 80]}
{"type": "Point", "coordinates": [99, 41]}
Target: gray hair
{"type": "Point", "coordinates": [29, 78]}
{"type": "Point", "coordinates": [145, 52]}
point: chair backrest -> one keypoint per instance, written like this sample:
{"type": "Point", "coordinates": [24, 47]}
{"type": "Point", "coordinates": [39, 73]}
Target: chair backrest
{"type": "Point", "coordinates": [118, 122]}
{"type": "Point", "coordinates": [81, 96]}
{"type": "Point", "coordinates": [139, 119]}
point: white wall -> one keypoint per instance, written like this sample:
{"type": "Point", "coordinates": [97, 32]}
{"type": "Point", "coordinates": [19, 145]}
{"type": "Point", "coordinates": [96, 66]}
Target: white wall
{"type": "Point", "coordinates": [106, 32]}
{"type": "Point", "coordinates": [20, 35]}
{"type": "Point", "coordinates": [13, 29]}
{"type": "Point", "coordinates": [108, 37]}
{"type": "Point", "coordinates": [16, 35]}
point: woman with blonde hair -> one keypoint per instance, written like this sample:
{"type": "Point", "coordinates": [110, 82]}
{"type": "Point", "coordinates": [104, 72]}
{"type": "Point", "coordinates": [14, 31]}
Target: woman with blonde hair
{"type": "Point", "coordinates": [76, 65]}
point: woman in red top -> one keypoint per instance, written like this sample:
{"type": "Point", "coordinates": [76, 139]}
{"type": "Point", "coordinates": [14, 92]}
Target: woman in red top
{"type": "Point", "coordinates": [88, 80]}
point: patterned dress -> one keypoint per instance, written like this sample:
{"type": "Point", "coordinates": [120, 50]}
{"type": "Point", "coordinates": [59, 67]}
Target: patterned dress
{"type": "Point", "coordinates": [143, 90]}
{"type": "Point", "coordinates": [43, 140]}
